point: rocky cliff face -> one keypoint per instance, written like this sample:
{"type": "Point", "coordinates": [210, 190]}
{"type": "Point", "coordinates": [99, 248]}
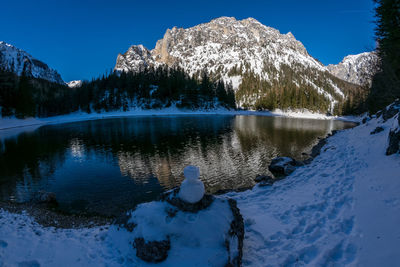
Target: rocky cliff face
{"type": "Point", "coordinates": [18, 61]}
{"type": "Point", "coordinates": [357, 69]}
{"type": "Point", "coordinates": [222, 43]}
{"type": "Point", "coordinates": [232, 49]}
{"type": "Point", "coordinates": [135, 59]}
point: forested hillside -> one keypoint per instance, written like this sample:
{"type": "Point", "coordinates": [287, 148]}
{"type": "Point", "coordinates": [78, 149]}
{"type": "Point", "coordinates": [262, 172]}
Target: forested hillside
{"type": "Point", "coordinates": [25, 96]}
{"type": "Point", "coordinates": [291, 91]}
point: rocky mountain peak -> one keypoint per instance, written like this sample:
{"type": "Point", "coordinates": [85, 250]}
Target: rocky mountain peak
{"type": "Point", "coordinates": [18, 61]}
{"type": "Point", "coordinates": [135, 59]}
{"type": "Point", "coordinates": [238, 52]}
{"type": "Point", "coordinates": [357, 69]}
{"type": "Point", "coordinates": [238, 38]}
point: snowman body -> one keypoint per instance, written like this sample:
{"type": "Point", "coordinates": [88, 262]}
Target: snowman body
{"type": "Point", "coordinates": [192, 189]}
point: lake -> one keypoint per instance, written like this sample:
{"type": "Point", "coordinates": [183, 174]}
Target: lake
{"type": "Point", "coordinates": [108, 166]}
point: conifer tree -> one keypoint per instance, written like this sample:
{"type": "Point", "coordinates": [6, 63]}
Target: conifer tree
{"type": "Point", "coordinates": [386, 83]}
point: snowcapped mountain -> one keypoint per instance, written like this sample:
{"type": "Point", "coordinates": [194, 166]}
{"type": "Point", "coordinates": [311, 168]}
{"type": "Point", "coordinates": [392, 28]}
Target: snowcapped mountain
{"type": "Point", "coordinates": [238, 51]}
{"type": "Point", "coordinates": [73, 84]}
{"type": "Point", "coordinates": [357, 69]}
{"type": "Point", "coordinates": [135, 59]}
{"type": "Point", "coordinates": [15, 60]}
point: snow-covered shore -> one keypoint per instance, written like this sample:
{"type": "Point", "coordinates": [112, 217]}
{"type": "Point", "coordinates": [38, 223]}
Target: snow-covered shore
{"type": "Point", "coordinates": [9, 123]}
{"type": "Point", "coordinates": [343, 209]}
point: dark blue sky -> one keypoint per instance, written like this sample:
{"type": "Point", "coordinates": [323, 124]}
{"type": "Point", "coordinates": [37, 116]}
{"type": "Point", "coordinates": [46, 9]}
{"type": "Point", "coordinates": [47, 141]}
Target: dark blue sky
{"type": "Point", "coordinates": [81, 39]}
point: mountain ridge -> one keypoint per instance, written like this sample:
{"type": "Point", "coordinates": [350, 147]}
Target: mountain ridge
{"type": "Point", "coordinates": [19, 61]}
{"type": "Point", "coordinates": [357, 69]}
{"type": "Point", "coordinates": [232, 50]}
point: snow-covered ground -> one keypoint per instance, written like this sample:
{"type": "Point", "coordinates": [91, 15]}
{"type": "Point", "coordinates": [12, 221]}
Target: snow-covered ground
{"type": "Point", "coordinates": [8, 123]}
{"type": "Point", "coordinates": [25, 243]}
{"type": "Point", "coordinates": [342, 209]}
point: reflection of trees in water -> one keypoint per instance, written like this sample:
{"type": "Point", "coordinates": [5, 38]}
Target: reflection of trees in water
{"type": "Point", "coordinates": [174, 144]}
{"type": "Point", "coordinates": [280, 136]}
{"type": "Point", "coordinates": [32, 158]}
{"type": "Point", "coordinates": [230, 151]}
{"type": "Point", "coordinates": [25, 159]}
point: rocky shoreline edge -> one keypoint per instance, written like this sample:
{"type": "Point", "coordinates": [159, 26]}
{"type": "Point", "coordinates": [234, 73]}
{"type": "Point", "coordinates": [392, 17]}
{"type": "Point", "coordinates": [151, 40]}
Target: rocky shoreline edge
{"type": "Point", "coordinates": [47, 216]}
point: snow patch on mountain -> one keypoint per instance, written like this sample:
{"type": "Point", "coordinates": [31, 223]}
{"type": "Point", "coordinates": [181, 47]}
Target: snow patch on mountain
{"type": "Point", "coordinates": [74, 84]}
{"type": "Point", "coordinates": [18, 61]}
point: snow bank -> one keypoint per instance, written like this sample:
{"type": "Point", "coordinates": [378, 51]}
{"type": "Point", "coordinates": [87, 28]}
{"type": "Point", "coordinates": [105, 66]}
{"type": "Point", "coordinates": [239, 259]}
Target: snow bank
{"type": "Point", "coordinates": [305, 114]}
{"type": "Point", "coordinates": [6, 123]}
{"type": "Point", "coordinates": [25, 243]}
{"type": "Point", "coordinates": [197, 239]}
{"type": "Point", "coordinates": [342, 209]}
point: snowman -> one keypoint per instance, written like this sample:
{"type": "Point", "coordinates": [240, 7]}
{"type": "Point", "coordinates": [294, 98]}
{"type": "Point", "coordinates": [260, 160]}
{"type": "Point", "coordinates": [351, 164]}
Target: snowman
{"type": "Point", "coordinates": [192, 189]}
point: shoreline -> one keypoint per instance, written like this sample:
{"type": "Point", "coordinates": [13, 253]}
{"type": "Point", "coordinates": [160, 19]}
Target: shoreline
{"type": "Point", "coordinates": [9, 124]}
{"type": "Point", "coordinates": [48, 217]}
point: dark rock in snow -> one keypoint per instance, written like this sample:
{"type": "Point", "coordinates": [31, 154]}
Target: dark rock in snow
{"type": "Point", "coordinates": [172, 212]}
{"type": "Point", "coordinates": [394, 141]}
{"type": "Point", "coordinates": [261, 178]}
{"type": "Point", "coordinates": [282, 166]}
{"type": "Point", "coordinates": [265, 180]}
{"type": "Point", "coordinates": [123, 221]}
{"type": "Point", "coordinates": [236, 236]}
{"type": "Point", "coordinates": [391, 110]}
{"type": "Point", "coordinates": [152, 251]}
{"type": "Point", "coordinates": [316, 150]}
{"type": "Point", "coordinates": [172, 198]}
{"type": "Point", "coordinates": [364, 120]}
{"type": "Point", "coordinates": [266, 183]}
{"type": "Point", "coordinates": [377, 130]}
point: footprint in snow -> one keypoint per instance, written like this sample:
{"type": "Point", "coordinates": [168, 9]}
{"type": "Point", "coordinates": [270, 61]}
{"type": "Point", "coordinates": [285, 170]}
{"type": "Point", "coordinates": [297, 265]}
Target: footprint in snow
{"type": "Point", "coordinates": [391, 202]}
{"type": "Point", "coordinates": [32, 263]}
{"type": "Point", "coordinates": [3, 244]}
{"type": "Point", "coordinates": [191, 218]}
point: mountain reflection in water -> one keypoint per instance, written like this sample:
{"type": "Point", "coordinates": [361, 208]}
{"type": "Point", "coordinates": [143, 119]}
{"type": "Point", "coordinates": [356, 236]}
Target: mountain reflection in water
{"type": "Point", "coordinates": [107, 166]}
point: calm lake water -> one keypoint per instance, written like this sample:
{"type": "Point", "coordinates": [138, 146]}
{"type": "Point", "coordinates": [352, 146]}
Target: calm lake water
{"type": "Point", "coordinates": [110, 165]}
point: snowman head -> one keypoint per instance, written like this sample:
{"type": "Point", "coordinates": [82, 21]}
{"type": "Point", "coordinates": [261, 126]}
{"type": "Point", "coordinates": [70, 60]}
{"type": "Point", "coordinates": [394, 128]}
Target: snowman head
{"type": "Point", "coordinates": [191, 172]}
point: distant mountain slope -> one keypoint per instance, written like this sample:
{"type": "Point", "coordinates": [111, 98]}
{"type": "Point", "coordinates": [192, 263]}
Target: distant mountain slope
{"type": "Point", "coordinates": [259, 61]}
{"type": "Point", "coordinates": [357, 69]}
{"type": "Point", "coordinates": [17, 61]}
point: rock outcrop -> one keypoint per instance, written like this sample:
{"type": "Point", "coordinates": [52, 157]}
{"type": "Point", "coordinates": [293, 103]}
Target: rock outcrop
{"type": "Point", "coordinates": [282, 166]}
{"type": "Point", "coordinates": [152, 251]}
